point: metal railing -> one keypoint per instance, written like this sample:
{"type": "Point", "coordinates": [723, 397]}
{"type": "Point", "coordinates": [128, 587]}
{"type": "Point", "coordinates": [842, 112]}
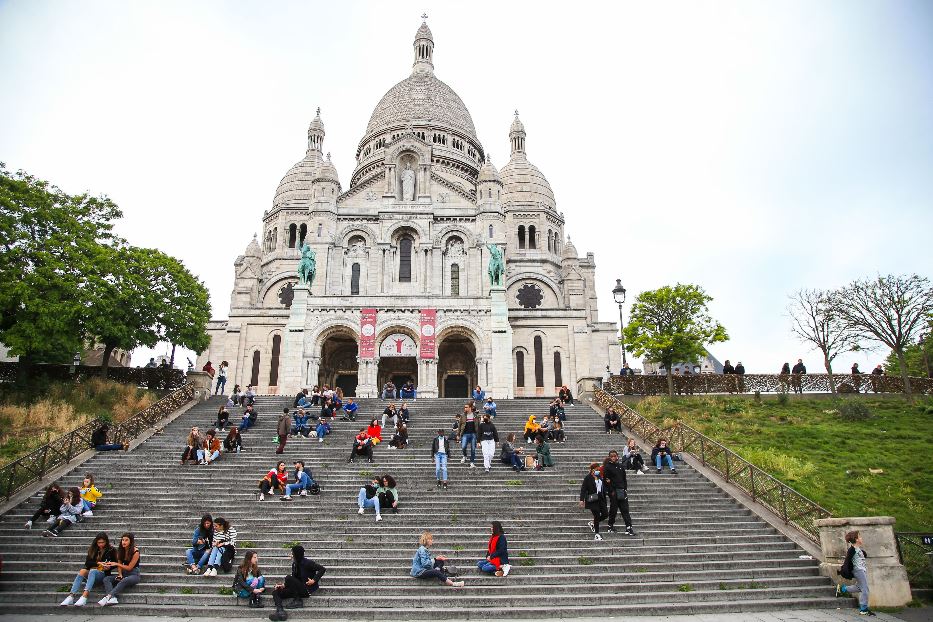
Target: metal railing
{"type": "Point", "coordinates": [792, 507]}
{"type": "Point", "coordinates": [152, 378]}
{"type": "Point", "coordinates": [35, 465]}
{"type": "Point", "coordinates": [765, 383]}
{"type": "Point", "coordinates": [916, 552]}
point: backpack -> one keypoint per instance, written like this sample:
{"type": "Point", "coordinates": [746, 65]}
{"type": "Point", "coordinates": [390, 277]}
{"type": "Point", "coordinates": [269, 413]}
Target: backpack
{"type": "Point", "coordinates": [226, 559]}
{"type": "Point", "coordinates": [847, 567]}
{"type": "Point", "coordinates": [314, 489]}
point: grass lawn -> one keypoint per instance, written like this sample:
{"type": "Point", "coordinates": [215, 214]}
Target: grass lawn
{"type": "Point", "coordinates": [31, 417]}
{"type": "Point", "coordinates": [809, 445]}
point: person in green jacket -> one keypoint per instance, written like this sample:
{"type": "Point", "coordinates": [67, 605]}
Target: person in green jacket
{"type": "Point", "coordinates": [543, 452]}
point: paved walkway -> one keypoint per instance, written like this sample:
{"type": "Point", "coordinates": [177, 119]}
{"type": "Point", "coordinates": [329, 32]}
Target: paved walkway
{"type": "Point", "coordinates": [924, 614]}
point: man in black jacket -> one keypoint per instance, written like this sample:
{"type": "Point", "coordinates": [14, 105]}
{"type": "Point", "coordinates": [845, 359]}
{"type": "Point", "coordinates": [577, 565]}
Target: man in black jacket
{"type": "Point", "coordinates": [304, 580]}
{"type": "Point", "coordinates": [618, 494]}
{"type": "Point", "coordinates": [798, 370]}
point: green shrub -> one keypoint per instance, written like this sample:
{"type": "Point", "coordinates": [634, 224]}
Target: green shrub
{"type": "Point", "coordinates": [733, 407]}
{"type": "Point", "coordinates": [686, 587]}
{"type": "Point", "coordinates": [783, 398]}
{"type": "Point", "coordinates": [514, 482]}
{"type": "Point", "coordinates": [226, 591]}
{"type": "Point", "coordinates": [583, 560]}
{"type": "Point", "coordinates": [854, 410]}
{"type": "Point", "coordinates": [288, 545]}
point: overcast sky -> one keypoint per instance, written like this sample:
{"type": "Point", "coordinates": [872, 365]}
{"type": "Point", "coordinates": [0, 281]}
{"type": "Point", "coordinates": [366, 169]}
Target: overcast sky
{"type": "Point", "coordinates": [750, 147]}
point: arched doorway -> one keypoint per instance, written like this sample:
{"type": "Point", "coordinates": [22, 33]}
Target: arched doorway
{"type": "Point", "coordinates": [339, 365]}
{"type": "Point", "coordinates": [398, 362]}
{"type": "Point", "coordinates": [456, 365]}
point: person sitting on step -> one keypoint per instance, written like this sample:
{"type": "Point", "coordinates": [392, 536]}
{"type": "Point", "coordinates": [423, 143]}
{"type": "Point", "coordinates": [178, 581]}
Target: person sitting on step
{"type": "Point", "coordinates": [368, 497]}
{"type": "Point", "coordinates": [304, 482]}
{"type": "Point", "coordinates": [90, 495]}
{"type": "Point", "coordinates": [440, 453]}
{"type": "Point", "coordinates": [400, 438]}
{"type": "Point", "coordinates": [661, 452]}
{"type": "Point", "coordinates": [236, 394]}
{"type": "Point", "coordinates": [362, 446]}
{"type": "Point", "coordinates": [223, 548]}
{"type": "Point", "coordinates": [234, 441]}
{"type": "Point", "coordinates": [127, 566]}
{"type": "Point", "coordinates": [423, 566]}
{"type": "Point", "coordinates": [99, 440]}
{"type": "Point", "coordinates": [389, 414]}
{"type": "Point", "coordinates": [328, 409]}
{"type": "Point", "coordinates": [543, 452]}
{"type": "Point", "coordinates": [276, 478]}
{"type": "Point", "coordinates": [300, 423]}
{"type": "Point", "coordinates": [375, 431]}
{"type": "Point", "coordinates": [201, 541]}
{"type": "Point", "coordinates": [316, 396]}
{"type": "Point", "coordinates": [512, 455]}
{"type": "Point", "coordinates": [323, 428]}
{"type": "Point", "coordinates": [388, 493]}
{"type": "Point", "coordinates": [193, 444]}
{"type": "Point", "coordinates": [223, 418]}
{"type": "Point", "coordinates": [557, 410]}
{"type": "Point", "coordinates": [403, 413]}
{"type": "Point", "coordinates": [248, 398]}
{"type": "Point", "coordinates": [545, 428]}
{"type": "Point", "coordinates": [250, 418]}
{"type": "Point", "coordinates": [633, 458]}
{"type": "Point", "coordinates": [565, 395]}
{"type": "Point", "coordinates": [349, 410]}
{"type": "Point", "coordinates": [531, 429]}
{"type": "Point", "coordinates": [407, 392]}
{"type": "Point", "coordinates": [557, 431]}
{"type": "Point", "coordinates": [497, 553]}
{"type": "Point", "coordinates": [69, 513]}
{"type": "Point", "coordinates": [50, 505]}
{"type": "Point", "coordinates": [248, 581]}
{"type": "Point", "coordinates": [99, 553]}
{"type": "Point", "coordinates": [304, 580]}
{"type": "Point", "coordinates": [388, 391]}
{"type": "Point", "coordinates": [301, 399]}
{"type": "Point", "coordinates": [478, 395]}
{"type": "Point", "coordinates": [612, 421]}
{"type": "Point", "coordinates": [210, 449]}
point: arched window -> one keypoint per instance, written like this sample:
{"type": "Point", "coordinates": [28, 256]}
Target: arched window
{"type": "Point", "coordinates": [520, 369]}
{"type": "Point", "coordinates": [292, 235]}
{"type": "Point", "coordinates": [404, 259]}
{"type": "Point", "coordinates": [302, 234]}
{"type": "Point", "coordinates": [490, 230]}
{"type": "Point", "coordinates": [532, 241]}
{"type": "Point", "coordinates": [550, 240]}
{"type": "Point", "coordinates": [254, 373]}
{"type": "Point", "coordinates": [274, 369]}
{"type": "Point", "coordinates": [320, 230]}
{"type": "Point", "coordinates": [539, 362]}
{"type": "Point", "coordinates": [521, 236]}
{"type": "Point", "coordinates": [558, 374]}
{"type": "Point", "coordinates": [454, 280]}
{"type": "Point", "coordinates": [355, 280]}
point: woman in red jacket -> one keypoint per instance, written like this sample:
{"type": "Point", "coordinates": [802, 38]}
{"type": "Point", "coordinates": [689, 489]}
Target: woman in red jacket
{"type": "Point", "coordinates": [375, 431]}
{"type": "Point", "coordinates": [275, 478]}
{"type": "Point", "coordinates": [497, 553]}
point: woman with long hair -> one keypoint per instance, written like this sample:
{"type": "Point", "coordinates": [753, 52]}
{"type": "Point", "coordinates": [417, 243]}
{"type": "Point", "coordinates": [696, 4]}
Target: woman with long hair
{"type": "Point", "coordinates": [248, 581]}
{"type": "Point", "coordinates": [234, 441]}
{"type": "Point", "coordinates": [593, 497]}
{"type": "Point", "coordinates": [224, 541]}
{"type": "Point", "coordinates": [200, 549]}
{"type": "Point", "coordinates": [276, 478]}
{"type": "Point", "coordinates": [388, 494]}
{"type": "Point", "coordinates": [69, 513]}
{"type": "Point", "coordinates": [192, 445]}
{"type": "Point", "coordinates": [49, 507]}
{"type": "Point", "coordinates": [127, 566]}
{"type": "Point", "coordinates": [98, 554]}
{"type": "Point", "coordinates": [223, 418]}
{"type": "Point", "coordinates": [497, 553]}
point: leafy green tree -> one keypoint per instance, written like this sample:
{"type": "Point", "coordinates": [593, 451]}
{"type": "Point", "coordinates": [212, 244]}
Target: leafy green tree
{"type": "Point", "coordinates": [50, 245]}
{"type": "Point", "coordinates": [918, 356]}
{"type": "Point", "coordinates": [672, 324]}
{"type": "Point", "coordinates": [184, 305]}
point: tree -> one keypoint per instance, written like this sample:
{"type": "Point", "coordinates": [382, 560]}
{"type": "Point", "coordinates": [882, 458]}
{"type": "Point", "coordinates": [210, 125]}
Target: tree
{"type": "Point", "coordinates": [671, 324]}
{"type": "Point", "coordinates": [891, 310]}
{"type": "Point", "coordinates": [50, 245]}
{"type": "Point", "coordinates": [183, 305]}
{"type": "Point", "coordinates": [814, 320]}
{"type": "Point", "coordinates": [918, 356]}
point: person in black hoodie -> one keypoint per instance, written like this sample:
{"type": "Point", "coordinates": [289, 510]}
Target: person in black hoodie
{"type": "Point", "coordinates": [727, 368]}
{"type": "Point", "coordinates": [304, 580]}
{"type": "Point", "coordinates": [99, 440]}
{"type": "Point", "coordinates": [49, 508]}
{"type": "Point", "coordinates": [593, 497]}
{"type": "Point", "coordinates": [614, 472]}
{"type": "Point", "coordinates": [798, 370]}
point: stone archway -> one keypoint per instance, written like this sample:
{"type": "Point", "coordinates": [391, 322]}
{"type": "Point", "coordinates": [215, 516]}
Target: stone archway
{"type": "Point", "coordinates": [456, 364]}
{"type": "Point", "coordinates": [398, 358]}
{"type": "Point", "coordinates": [339, 366]}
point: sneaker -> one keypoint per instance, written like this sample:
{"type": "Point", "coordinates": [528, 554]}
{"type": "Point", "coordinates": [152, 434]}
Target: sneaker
{"type": "Point", "coordinates": [673, 471]}
{"type": "Point", "coordinates": [438, 483]}
{"type": "Point", "coordinates": [866, 612]}
{"type": "Point", "coordinates": [487, 470]}
{"type": "Point", "coordinates": [361, 511]}
{"type": "Point", "coordinates": [103, 601]}
{"type": "Point", "coordinates": [839, 592]}
{"type": "Point", "coordinates": [81, 601]}
{"type": "Point", "coordinates": [378, 517]}
{"type": "Point", "coordinates": [460, 584]}
{"type": "Point", "coordinates": [320, 440]}
{"type": "Point", "coordinates": [610, 529]}
{"type": "Point", "coordinates": [629, 531]}
{"type": "Point", "coordinates": [644, 469]}
{"type": "Point", "coordinates": [111, 601]}
{"type": "Point", "coordinates": [445, 485]}
{"type": "Point", "coordinates": [506, 569]}
{"type": "Point", "coordinates": [29, 526]}
{"type": "Point", "coordinates": [211, 572]}
{"type": "Point", "coordinates": [48, 533]}
{"type": "Point", "coordinates": [472, 465]}
{"type": "Point", "coordinates": [592, 528]}
{"type": "Point", "coordinates": [88, 514]}
{"type": "Point", "coordinates": [262, 497]}
{"type": "Point", "coordinates": [597, 537]}
{"type": "Point", "coordinates": [639, 472]}
{"type": "Point", "coordinates": [659, 470]}
{"type": "Point", "coordinates": [303, 493]}
{"type": "Point", "coordinates": [462, 460]}
{"type": "Point", "coordinates": [69, 600]}
{"type": "Point", "coordinates": [285, 498]}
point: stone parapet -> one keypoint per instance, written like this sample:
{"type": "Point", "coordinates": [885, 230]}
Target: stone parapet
{"type": "Point", "coordinates": [202, 384]}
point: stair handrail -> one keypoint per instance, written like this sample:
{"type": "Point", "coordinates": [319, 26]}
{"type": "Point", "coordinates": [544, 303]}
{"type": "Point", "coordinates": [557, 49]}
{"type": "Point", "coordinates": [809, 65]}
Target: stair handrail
{"type": "Point", "coordinates": [845, 384]}
{"type": "Point", "coordinates": [32, 467]}
{"type": "Point", "coordinates": [792, 507]}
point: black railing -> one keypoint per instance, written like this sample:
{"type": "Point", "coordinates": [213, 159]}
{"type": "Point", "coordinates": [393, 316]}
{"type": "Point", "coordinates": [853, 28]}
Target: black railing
{"type": "Point", "coordinates": [916, 552]}
{"type": "Point", "coordinates": [792, 507]}
{"type": "Point", "coordinates": [764, 383]}
{"type": "Point", "coordinates": [35, 465]}
{"type": "Point", "coordinates": [160, 379]}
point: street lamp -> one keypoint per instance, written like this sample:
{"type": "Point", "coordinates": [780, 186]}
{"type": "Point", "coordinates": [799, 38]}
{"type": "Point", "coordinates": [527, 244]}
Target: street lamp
{"type": "Point", "coordinates": [618, 293]}
{"type": "Point", "coordinates": [75, 362]}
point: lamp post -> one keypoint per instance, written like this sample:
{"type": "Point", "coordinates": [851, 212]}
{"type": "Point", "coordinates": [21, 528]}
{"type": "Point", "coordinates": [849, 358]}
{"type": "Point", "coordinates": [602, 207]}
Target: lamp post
{"type": "Point", "coordinates": [618, 293]}
{"type": "Point", "coordinates": [75, 362]}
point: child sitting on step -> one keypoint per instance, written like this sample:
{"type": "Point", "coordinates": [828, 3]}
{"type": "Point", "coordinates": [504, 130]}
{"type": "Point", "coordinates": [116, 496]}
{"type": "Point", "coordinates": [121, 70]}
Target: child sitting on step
{"type": "Point", "coordinates": [90, 495]}
{"type": "Point", "coordinates": [68, 514]}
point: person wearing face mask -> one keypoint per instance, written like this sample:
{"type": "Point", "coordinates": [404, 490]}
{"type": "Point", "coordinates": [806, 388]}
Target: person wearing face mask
{"type": "Point", "coordinates": [618, 495]}
{"type": "Point", "coordinates": [593, 492]}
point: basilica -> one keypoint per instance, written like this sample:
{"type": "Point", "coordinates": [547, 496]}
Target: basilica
{"type": "Point", "coordinates": [401, 288]}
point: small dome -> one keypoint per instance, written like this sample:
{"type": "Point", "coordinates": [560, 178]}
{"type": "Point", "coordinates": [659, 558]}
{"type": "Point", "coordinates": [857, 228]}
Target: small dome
{"type": "Point", "coordinates": [316, 123]}
{"type": "Point", "coordinates": [295, 187]}
{"type": "Point", "coordinates": [252, 249]}
{"type": "Point", "coordinates": [488, 172]}
{"type": "Point", "coordinates": [327, 172]}
{"type": "Point", "coordinates": [424, 32]}
{"type": "Point", "coordinates": [524, 183]}
{"type": "Point", "coordinates": [517, 125]}
{"type": "Point", "coordinates": [569, 251]}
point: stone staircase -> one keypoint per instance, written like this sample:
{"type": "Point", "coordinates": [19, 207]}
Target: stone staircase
{"type": "Point", "coordinates": [696, 550]}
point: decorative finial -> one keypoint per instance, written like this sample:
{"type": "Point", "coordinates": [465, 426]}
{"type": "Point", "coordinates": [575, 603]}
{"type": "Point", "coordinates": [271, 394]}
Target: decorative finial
{"type": "Point", "coordinates": [516, 112]}
{"type": "Point", "coordinates": [424, 16]}
{"type": "Point", "coordinates": [318, 111]}
{"type": "Point", "coordinates": [328, 156]}
{"type": "Point", "coordinates": [254, 235]}
{"type": "Point", "coordinates": [488, 158]}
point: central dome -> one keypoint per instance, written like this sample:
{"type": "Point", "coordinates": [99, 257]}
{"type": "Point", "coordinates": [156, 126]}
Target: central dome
{"type": "Point", "coordinates": [421, 99]}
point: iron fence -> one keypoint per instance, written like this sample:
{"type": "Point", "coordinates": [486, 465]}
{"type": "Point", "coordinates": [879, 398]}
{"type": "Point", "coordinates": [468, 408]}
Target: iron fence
{"type": "Point", "coordinates": [34, 466]}
{"type": "Point", "coordinates": [792, 507]}
{"type": "Point", "coordinates": [916, 552]}
{"type": "Point", "coordinates": [765, 383]}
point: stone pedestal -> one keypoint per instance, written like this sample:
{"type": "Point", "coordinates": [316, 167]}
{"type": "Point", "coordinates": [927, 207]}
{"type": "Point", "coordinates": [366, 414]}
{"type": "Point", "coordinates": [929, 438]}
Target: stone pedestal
{"type": "Point", "coordinates": [291, 377]}
{"type": "Point", "coordinates": [887, 578]}
{"type": "Point", "coordinates": [202, 382]}
{"type": "Point", "coordinates": [427, 378]}
{"type": "Point", "coordinates": [366, 378]}
{"type": "Point", "coordinates": [499, 367]}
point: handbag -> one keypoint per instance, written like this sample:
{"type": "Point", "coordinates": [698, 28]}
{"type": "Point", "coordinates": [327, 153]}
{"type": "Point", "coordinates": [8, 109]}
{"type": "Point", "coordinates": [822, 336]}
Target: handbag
{"type": "Point", "coordinates": [529, 462]}
{"type": "Point", "coordinates": [593, 498]}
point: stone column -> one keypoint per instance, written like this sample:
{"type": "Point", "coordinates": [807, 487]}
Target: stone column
{"type": "Point", "coordinates": [500, 380]}
{"type": "Point", "coordinates": [291, 362]}
{"type": "Point", "coordinates": [427, 378]}
{"type": "Point", "coordinates": [314, 370]}
{"type": "Point", "coordinates": [887, 577]}
{"type": "Point", "coordinates": [482, 372]}
{"type": "Point", "coordinates": [366, 378]}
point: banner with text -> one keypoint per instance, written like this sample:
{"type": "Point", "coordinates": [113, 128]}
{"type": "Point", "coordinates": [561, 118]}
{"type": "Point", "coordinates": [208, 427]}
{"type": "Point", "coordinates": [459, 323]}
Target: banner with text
{"type": "Point", "coordinates": [368, 333]}
{"type": "Point", "coordinates": [428, 321]}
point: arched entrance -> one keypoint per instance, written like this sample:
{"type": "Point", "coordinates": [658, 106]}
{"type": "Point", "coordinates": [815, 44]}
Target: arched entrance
{"type": "Point", "coordinates": [339, 365]}
{"type": "Point", "coordinates": [398, 362]}
{"type": "Point", "coordinates": [456, 365]}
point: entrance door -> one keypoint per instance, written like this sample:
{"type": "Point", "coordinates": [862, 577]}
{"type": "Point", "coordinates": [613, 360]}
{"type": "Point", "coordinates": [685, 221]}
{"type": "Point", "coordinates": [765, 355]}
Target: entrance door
{"type": "Point", "coordinates": [456, 385]}
{"type": "Point", "coordinates": [347, 382]}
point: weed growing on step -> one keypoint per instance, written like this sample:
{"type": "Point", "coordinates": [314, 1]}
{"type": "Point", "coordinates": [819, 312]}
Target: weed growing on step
{"type": "Point", "coordinates": [523, 553]}
{"type": "Point", "coordinates": [583, 560]}
{"type": "Point", "coordinates": [226, 591]}
{"type": "Point", "coordinates": [526, 562]}
{"type": "Point", "coordinates": [349, 539]}
{"type": "Point", "coordinates": [62, 588]}
{"type": "Point", "coordinates": [641, 570]}
{"type": "Point", "coordinates": [458, 547]}
{"type": "Point", "coordinates": [247, 544]}
{"type": "Point", "coordinates": [366, 473]}
{"type": "Point", "coordinates": [453, 518]}
{"type": "Point", "coordinates": [162, 589]}
{"type": "Point", "coordinates": [514, 482]}
{"type": "Point", "coordinates": [686, 587]}
{"type": "Point", "coordinates": [288, 545]}
{"type": "Point", "coordinates": [572, 482]}
{"type": "Point", "coordinates": [187, 590]}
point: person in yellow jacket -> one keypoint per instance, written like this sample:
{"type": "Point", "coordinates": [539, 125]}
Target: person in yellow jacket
{"type": "Point", "coordinates": [90, 495]}
{"type": "Point", "coordinates": [531, 428]}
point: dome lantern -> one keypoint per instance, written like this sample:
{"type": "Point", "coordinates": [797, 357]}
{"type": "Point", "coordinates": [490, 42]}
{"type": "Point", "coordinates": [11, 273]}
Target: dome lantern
{"type": "Point", "coordinates": [316, 134]}
{"type": "Point", "coordinates": [424, 49]}
{"type": "Point", "coordinates": [517, 135]}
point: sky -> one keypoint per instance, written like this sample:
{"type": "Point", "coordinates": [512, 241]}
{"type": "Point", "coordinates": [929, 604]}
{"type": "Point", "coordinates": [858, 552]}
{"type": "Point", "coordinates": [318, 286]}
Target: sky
{"type": "Point", "coordinates": [752, 148]}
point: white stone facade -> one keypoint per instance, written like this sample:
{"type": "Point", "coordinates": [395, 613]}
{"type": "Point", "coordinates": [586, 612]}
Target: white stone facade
{"type": "Point", "coordinates": [411, 234]}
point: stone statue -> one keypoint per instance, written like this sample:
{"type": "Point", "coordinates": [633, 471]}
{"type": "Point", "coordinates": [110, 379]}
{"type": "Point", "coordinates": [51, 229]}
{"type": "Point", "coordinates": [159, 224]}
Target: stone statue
{"type": "Point", "coordinates": [496, 265]}
{"type": "Point", "coordinates": [307, 266]}
{"type": "Point", "coordinates": [408, 183]}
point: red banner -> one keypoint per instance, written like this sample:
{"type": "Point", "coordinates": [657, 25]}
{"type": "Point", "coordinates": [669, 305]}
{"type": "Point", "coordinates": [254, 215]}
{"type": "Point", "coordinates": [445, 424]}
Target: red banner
{"type": "Point", "coordinates": [428, 320]}
{"type": "Point", "coordinates": [368, 333]}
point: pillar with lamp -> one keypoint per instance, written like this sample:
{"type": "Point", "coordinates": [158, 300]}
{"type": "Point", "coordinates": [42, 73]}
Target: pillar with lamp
{"type": "Point", "coordinates": [75, 363]}
{"type": "Point", "coordinates": [618, 294]}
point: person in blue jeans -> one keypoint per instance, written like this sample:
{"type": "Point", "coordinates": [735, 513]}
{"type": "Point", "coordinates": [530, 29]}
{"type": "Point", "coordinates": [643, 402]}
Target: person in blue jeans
{"type": "Point", "coordinates": [349, 410]}
{"type": "Point", "coordinates": [497, 553]}
{"type": "Point", "coordinates": [423, 566]}
{"type": "Point", "coordinates": [200, 549]}
{"type": "Point", "coordinates": [489, 407]}
{"type": "Point", "coordinates": [303, 482]}
{"type": "Point", "coordinates": [249, 418]}
{"type": "Point", "coordinates": [854, 567]}
{"type": "Point", "coordinates": [301, 425]}
{"type": "Point", "coordinates": [224, 538]}
{"type": "Point", "coordinates": [323, 429]}
{"type": "Point", "coordinates": [478, 394]}
{"type": "Point", "coordinates": [440, 451]}
{"type": "Point", "coordinates": [221, 377]}
{"type": "Point", "coordinates": [468, 434]}
{"type": "Point", "coordinates": [94, 571]}
{"type": "Point", "coordinates": [662, 452]}
{"type": "Point", "coordinates": [369, 497]}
